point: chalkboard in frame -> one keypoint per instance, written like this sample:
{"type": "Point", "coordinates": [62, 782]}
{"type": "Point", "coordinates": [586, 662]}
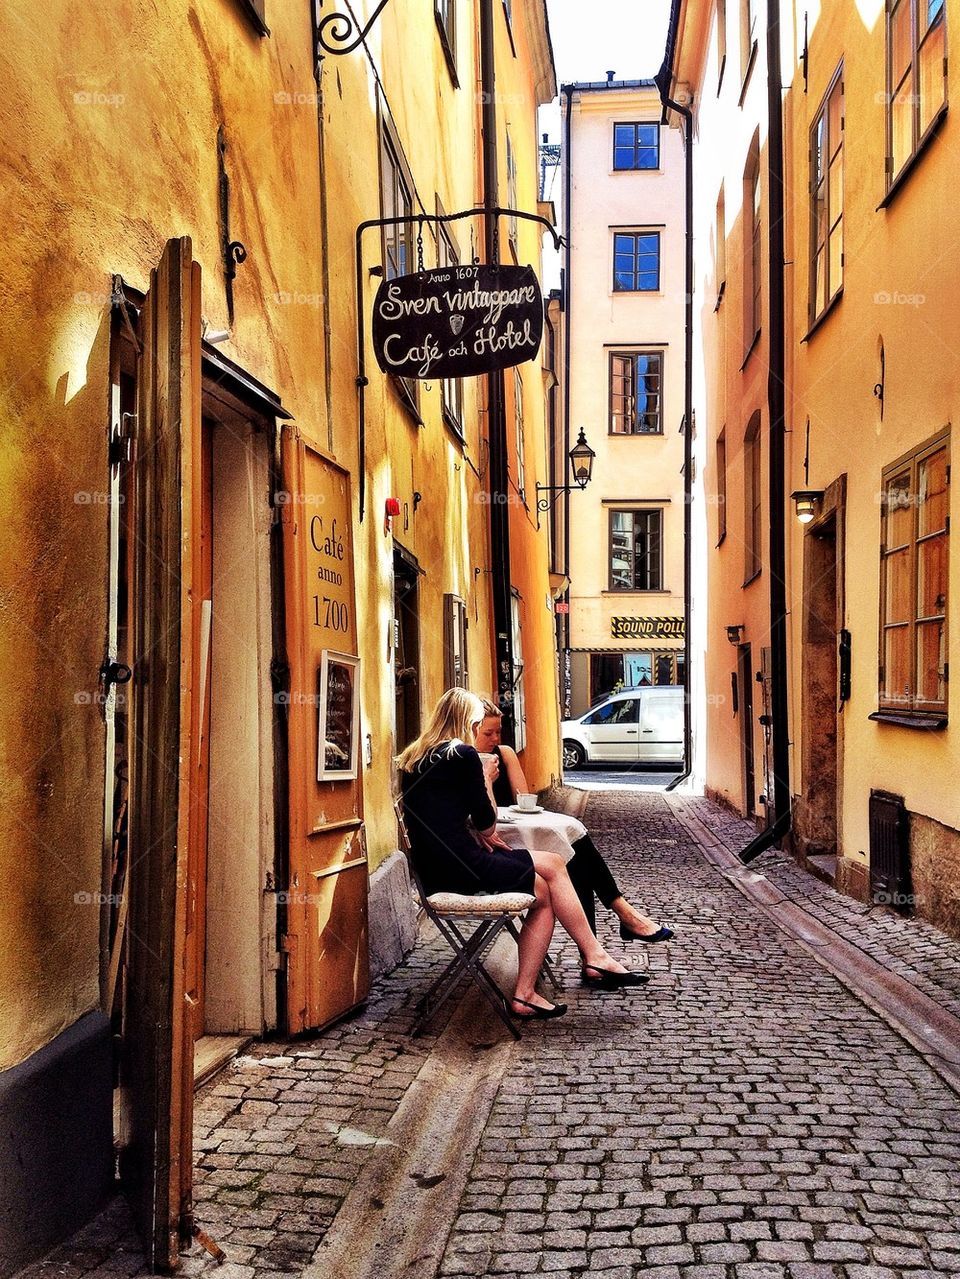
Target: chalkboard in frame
{"type": "Point", "coordinates": [339, 718]}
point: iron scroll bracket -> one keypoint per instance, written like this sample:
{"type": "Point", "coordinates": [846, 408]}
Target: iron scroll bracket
{"type": "Point", "coordinates": [345, 33]}
{"type": "Point", "coordinates": [437, 219]}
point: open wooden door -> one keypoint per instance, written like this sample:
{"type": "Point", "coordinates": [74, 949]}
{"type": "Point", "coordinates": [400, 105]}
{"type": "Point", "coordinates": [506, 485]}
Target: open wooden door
{"type": "Point", "coordinates": [157, 1060]}
{"type": "Point", "coordinates": [325, 937]}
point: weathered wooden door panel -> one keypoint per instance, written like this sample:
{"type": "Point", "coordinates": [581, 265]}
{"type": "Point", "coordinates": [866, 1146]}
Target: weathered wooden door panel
{"type": "Point", "coordinates": [326, 896]}
{"type": "Point", "coordinates": [157, 1048]}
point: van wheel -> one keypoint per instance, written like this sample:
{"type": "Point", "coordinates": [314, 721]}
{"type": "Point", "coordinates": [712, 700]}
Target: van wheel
{"type": "Point", "coordinates": [574, 755]}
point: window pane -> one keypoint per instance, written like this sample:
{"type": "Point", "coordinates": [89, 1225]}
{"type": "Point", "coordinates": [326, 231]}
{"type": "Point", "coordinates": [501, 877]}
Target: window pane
{"type": "Point", "coordinates": [896, 662]}
{"type": "Point", "coordinates": [623, 135]}
{"type": "Point", "coordinates": [899, 604]}
{"type": "Point", "coordinates": [625, 712]}
{"type": "Point", "coordinates": [623, 157]}
{"type": "Point", "coordinates": [899, 511]}
{"type": "Point", "coordinates": [902, 126]}
{"type": "Point", "coordinates": [820, 216]}
{"type": "Point", "coordinates": [931, 655]}
{"type": "Point", "coordinates": [818, 149]}
{"type": "Point", "coordinates": [901, 41]}
{"type": "Point", "coordinates": [932, 83]}
{"type": "Point", "coordinates": [836, 259]}
{"type": "Point", "coordinates": [836, 190]}
{"type": "Point", "coordinates": [834, 118]}
{"type": "Point", "coordinates": [932, 576]}
{"type": "Point", "coordinates": [820, 282]}
{"type": "Point", "coordinates": [933, 500]}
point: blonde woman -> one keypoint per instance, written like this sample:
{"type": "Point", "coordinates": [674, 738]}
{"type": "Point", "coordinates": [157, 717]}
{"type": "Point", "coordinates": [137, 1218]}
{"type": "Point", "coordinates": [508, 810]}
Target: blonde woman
{"type": "Point", "coordinates": [445, 786]}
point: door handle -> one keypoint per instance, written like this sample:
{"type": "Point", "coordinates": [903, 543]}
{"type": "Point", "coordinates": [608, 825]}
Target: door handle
{"type": "Point", "coordinates": [631, 730]}
{"type": "Point", "coordinates": [648, 730]}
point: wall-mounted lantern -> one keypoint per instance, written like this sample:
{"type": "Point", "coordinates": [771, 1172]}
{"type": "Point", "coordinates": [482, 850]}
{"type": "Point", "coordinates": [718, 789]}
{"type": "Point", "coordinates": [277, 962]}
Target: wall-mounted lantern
{"type": "Point", "coordinates": [806, 502]}
{"type": "Point", "coordinates": [581, 459]}
{"type": "Point", "coordinates": [734, 633]}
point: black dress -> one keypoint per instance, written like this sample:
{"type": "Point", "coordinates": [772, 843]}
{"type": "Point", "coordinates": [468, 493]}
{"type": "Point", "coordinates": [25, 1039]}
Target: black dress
{"type": "Point", "coordinates": [444, 790]}
{"type": "Point", "coordinates": [502, 790]}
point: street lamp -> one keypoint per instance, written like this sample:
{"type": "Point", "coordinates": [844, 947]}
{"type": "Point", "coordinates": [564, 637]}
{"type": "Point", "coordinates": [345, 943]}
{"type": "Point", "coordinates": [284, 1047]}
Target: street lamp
{"type": "Point", "coordinates": [581, 459]}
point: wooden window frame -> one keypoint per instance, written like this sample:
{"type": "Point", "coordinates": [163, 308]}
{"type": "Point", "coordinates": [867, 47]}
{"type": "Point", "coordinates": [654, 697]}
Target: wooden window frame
{"type": "Point", "coordinates": [391, 154]}
{"type": "Point", "coordinates": [631, 355]}
{"type": "Point", "coordinates": [255, 11]}
{"type": "Point", "coordinates": [518, 430]}
{"type": "Point", "coordinates": [920, 134]}
{"type": "Point", "coordinates": [635, 125]}
{"type": "Point", "coordinates": [633, 512]}
{"type": "Point", "coordinates": [912, 461]}
{"type": "Point", "coordinates": [451, 388]}
{"type": "Point", "coordinates": [635, 272]}
{"type": "Point", "coordinates": [752, 499]}
{"type": "Point", "coordinates": [721, 486]}
{"type": "Point", "coordinates": [456, 624]}
{"type": "Point", "coordinates": [752, 252]}
{"type": "Point", "coordinates": [833, 151]}
{"type": "Point", "coordinates": [447, 31]}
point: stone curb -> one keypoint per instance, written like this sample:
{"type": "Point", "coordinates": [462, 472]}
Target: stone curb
{"type": "Point", "coordinates": [927, 1027]}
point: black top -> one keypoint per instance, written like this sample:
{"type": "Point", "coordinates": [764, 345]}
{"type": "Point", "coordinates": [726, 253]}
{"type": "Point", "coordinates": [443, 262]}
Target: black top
{"type": "Point", "coordinates": [502, 790]}
{"type": "Point", "coordinates": [444, 791]}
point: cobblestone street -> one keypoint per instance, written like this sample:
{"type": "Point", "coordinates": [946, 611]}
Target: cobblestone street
{"type": "Point", "coordinates": [743, 1116]}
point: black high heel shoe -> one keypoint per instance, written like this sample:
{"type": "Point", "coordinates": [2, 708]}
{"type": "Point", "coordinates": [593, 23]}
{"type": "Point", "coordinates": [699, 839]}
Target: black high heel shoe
{"type": "Point", "coordinates": [538, 1014]}
{"type": "Point", "coordinates": [662, 934]}
{"type": "Point", "coordinates": [606, 979]}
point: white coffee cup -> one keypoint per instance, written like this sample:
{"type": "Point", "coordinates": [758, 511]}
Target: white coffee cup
{"type": "Point", "coordinates": [526, 802]}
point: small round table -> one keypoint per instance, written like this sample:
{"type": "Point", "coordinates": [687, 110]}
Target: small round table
{"type": "Point", "coordinates": [545, 832]}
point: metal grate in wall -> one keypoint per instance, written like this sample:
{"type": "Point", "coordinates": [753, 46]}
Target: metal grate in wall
{"type": "Point", "coordinates": [889, 851]}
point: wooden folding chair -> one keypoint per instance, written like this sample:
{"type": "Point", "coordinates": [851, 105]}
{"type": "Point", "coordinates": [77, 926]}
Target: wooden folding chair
{"type": "Point", "coordinates": [489, 914]}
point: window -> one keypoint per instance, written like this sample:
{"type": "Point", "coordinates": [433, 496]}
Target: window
{"type": "Point", "coordinates": [721, 246]}
{"type": "Point", "coordinates": [518, 432]}
{"type": "Point", "coordinates": [396, 198]}
{"type": "Point", "coordinates": [636, 146]}
{"type": "Point", "coordinates": [451, 388]}
{"type": "Point", "coordinates": [455, 624]}
{"type": "Point", "coordinates": [446, 15]}
{"type": "Point", "coordinates": [721, 41]}
{"type": "Point", "coordinates": [519, 702]}
{"type": "Point", "coordinates": [256, 12]}
{"type": "Point", "coordinates": [636, 261]}
{"type": "Point", "coordinates": [752, 265]}
{"type": "Point", "coordinates": [626, 711]}
{"type": "Point", "coordinates": [751, 499]}
{"type": "Point", "coordinates": [913, 579]}
{"type": "Point", "coordinates": [636, 550]}
{"type": "Point", "coordinates": [826, 193]}
{"type": "Point", "coordinates": [748, 35]}
{"type": "Point", "coordinates": [721, 486]}
{"type": "Point", "coordinates": [511, 191]}
{"type": "Point", "coordinates": [636, 383]}
{"type": "Point", "coordinates": [916, 76]}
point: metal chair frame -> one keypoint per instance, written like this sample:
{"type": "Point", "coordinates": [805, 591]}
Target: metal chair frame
{"type": "Point", "coordinates": [469, 949]}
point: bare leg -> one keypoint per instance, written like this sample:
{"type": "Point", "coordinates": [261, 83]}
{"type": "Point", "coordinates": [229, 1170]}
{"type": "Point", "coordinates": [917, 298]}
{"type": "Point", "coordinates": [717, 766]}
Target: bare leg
{"type": "Point", "coordinates": [534, 939]}
{"type": "Point", "coordinates": [568, 910]}
{"type": "Point", "coordinates": [632, 917]}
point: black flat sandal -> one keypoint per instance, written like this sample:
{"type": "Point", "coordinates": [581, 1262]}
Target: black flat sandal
{"type": "Point", "coordinates": [662, 934]}
{"type": "Point", "coordinates": [606, 979]}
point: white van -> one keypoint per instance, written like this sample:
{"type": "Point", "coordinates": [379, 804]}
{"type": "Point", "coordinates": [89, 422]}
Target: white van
{"type": "Point", "coordinates": [636, 726]}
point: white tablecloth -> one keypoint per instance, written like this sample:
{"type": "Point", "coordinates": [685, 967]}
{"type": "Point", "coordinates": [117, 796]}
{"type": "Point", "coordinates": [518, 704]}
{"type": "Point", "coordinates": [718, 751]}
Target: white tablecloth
{"type": "Point", "coordinates": [543, 832]}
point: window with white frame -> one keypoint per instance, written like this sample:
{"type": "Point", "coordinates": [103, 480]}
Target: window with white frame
{"type": "Point", "coordinates": [826, 194]}
{"type": "Point", "coordinates": [636, 392]}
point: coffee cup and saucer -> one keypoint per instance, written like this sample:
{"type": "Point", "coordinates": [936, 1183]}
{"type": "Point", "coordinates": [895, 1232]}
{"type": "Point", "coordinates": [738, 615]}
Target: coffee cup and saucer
{"type": "Point", "coordinates": [526, 803]}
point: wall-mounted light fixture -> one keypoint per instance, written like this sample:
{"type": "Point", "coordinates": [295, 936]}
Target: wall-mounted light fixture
{"type": "Point", "coordinates": [734, 632]}
{"type": "Point", "coordinates": [581, 459]}
{"type": "Point", "coordinates": [806, 502]}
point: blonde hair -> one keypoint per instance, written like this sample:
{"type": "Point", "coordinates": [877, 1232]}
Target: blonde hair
{"type": "Point", "coordinates": [453, 719]}
{"type": "Point", "coordinates": [489, 708]}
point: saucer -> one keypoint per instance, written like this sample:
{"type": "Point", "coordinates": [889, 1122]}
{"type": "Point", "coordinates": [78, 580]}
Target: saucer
{"type": "Point", "coordinates": [515, 808]}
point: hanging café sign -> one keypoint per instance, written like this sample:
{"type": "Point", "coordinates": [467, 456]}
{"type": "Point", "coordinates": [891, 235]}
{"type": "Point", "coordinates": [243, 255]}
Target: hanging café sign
{"type": "Point", "coordinates": [457, 321]}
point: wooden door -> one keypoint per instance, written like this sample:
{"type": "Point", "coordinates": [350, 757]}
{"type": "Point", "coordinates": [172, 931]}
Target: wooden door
{"type": "Point", "coordinates": [745, 676]}
{"type": "Point", "coordinates": [325, 938]}
{"type": "Point", "coordinates": [157, 1065]}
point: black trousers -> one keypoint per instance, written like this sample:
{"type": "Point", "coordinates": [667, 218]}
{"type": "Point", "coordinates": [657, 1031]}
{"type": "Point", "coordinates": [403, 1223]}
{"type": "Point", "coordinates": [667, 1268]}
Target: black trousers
{"type": "Point", "coordinates": [591, 876]}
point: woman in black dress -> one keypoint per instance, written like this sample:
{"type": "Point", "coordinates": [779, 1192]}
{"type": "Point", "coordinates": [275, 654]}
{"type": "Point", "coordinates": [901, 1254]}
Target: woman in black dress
{"type": "Point", "coordinates": [444, 786]}
{"type": "Point", "coordinates": [588, 870]}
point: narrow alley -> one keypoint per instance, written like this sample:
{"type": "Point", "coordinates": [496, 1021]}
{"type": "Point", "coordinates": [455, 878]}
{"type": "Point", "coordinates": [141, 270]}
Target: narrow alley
{"type": "Point", "coordinates": [744, 1115]}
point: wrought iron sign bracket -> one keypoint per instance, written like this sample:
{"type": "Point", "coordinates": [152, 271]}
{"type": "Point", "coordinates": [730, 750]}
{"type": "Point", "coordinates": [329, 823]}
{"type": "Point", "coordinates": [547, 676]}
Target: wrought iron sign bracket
{"type": "Point", "coordinates": [419, 219]}
{"type": "Point", "coordinates": [339, 33]}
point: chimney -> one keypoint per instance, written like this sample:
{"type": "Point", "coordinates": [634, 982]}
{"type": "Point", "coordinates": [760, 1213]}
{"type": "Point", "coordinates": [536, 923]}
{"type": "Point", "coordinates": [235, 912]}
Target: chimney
{"type": "Point", "coordinates": [610, 75]}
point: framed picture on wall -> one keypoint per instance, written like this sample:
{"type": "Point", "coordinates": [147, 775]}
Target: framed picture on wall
{"type": "Point", "coordinates": [339, 727]}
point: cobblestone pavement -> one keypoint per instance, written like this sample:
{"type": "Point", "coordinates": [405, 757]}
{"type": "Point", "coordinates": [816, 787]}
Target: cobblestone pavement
{"type": "Point", "coordinates": [912, 948]}
{"type": "Point", "coordinates": [742, 1117]}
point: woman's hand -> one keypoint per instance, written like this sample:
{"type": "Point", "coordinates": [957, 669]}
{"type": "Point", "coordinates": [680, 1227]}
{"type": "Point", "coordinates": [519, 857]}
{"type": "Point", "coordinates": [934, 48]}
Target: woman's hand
{"type": "Point", "coordinates": [491, 840]}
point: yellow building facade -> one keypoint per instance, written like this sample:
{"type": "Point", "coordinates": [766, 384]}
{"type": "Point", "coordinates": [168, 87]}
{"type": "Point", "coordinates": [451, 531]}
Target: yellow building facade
{"type": "Point", "coordinates": [232, 599]}
{"type": "Point", "coordinates": [870, 389]}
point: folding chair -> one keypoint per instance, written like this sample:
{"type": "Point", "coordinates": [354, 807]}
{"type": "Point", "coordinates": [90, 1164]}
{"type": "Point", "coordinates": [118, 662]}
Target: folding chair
{"type": "Point", "coordinates": [490, 914]}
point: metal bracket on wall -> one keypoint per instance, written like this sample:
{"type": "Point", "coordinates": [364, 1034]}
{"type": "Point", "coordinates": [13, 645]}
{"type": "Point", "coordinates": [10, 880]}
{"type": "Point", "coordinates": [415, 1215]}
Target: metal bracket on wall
{"type": "Point", "coordinates": [436, 219]}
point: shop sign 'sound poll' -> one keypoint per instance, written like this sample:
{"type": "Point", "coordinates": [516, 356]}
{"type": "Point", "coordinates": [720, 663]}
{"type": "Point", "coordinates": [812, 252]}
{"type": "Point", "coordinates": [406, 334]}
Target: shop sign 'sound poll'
{"type": "Point", "coordinates": [457, 321]}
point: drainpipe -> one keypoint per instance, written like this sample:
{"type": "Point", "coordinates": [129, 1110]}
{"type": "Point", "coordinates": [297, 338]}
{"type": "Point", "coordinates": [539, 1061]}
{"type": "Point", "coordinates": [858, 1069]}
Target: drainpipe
{"type": "Point", "coordinates": [499, 508]}
{"type": "Point", "coordinates": [567, 329]}
{"type": "Point", "coordinates": [662, 81]}
{"type": "Point", "coordinates": [777, 486]}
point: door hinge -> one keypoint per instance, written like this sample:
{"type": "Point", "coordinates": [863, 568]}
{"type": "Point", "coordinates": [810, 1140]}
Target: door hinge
{"type": "Point", "coordinates": [120, 448]}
